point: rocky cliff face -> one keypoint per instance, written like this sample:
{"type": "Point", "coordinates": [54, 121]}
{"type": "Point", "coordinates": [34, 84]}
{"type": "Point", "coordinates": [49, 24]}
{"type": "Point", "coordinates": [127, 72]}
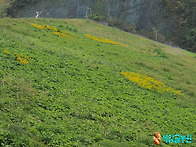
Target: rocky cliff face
{"type": "Point", "coordinates": [56, 9]}
{"type": "Point", "coordinates": [144, 13]}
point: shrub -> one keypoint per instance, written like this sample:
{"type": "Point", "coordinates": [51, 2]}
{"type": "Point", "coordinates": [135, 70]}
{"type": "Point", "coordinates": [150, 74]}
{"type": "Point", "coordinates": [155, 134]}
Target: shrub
{"type": "Point", "coordinates": [130, 28]}
{"type": "Point", "coordinates": [99, 9]}
{"type": "Point", "coordinates": [148, 33]}
{"type": "Point", "coordinates": [97, 17]}
{"type": "Point", "coordinates": [161, 38]}
{"type": "Point", "coordinates": [115, 23]}
{"type": "Point", "coordinates": [189, 40]}
{"type": "Point", "coordinates": [22, 3]}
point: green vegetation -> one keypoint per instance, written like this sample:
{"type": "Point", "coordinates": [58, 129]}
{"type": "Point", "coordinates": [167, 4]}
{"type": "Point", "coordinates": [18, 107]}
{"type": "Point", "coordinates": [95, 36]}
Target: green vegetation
{"type": "Point", "coordinates": [59, 87]}
{"type": "Point", "coordinates": [119, 24]}
{"type": "Point", "coordinates": [183, 13]}
{"type": "Point", "coordinates": [15, 5]}
{"type": "Point", "coordinates": [22, 3]}
{"type": "Point", "coordinates": [99, 8]}
{"type": "Point", "coordinates": [4, 4]}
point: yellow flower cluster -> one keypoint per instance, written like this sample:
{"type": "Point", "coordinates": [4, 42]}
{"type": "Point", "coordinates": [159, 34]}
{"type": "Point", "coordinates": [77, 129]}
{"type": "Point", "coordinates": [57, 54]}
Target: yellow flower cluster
{"type": "Point", "coordinates": [105, 40]}
{"type": "Point", "coordinates": [46, 27]}
{"type": "Point", "coordinates": [54, 29]}
{"type": "Point", "coordinates": [149, 83]}
{"type": "Point", "coordinates": [65, 32]}
{"type": "Point", "coordinates": [19, 58]}
{"type": "Point", "coordinates": [60, 34]}
{"type": "Point", "coordinates": [6, 51]}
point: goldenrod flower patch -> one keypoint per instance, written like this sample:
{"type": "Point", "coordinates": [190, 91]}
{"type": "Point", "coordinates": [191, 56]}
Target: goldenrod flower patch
{"type": "Point", "coordinates": [56, 31]}
{"type": "Point", "coordinates": [46, 27]}
{"type": "Point", "coordinates": [60, 34]}
{"type": "Point", "coordinates": [18, 58]}
{"type": "Point", "coordinates": [149, 83]}
{"type": "Point", "coordinates": [22, 60]}
{"type": "Point", "coordinates": [6, 51]}
{"type": "Point", "coordinates": [105, 40]}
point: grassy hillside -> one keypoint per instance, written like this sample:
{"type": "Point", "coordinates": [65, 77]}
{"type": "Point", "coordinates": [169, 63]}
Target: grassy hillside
{"type": "Point", "coordinates": [78, 83]}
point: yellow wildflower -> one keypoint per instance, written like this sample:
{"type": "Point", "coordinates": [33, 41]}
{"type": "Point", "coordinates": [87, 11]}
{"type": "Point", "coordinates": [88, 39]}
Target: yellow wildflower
{"type": "Point", "coordinates": [20, 59]}
{"type": "Point", "coordinates": [54, 29]}
{"type": "Point", "coordinates": [6, 51]}
{"type": "Point", "coordinates": [25, 61]}
{"type": "Point", "coordinates": [105, 40]}
{"type": "Point", "coordinates": [65, 32]}
{"type": "Point", "coordinates": [48, 27]}
{"type": "Point", "coordinates": [149, 83]}
{"type": "Point", "coordinates": [60, 34]}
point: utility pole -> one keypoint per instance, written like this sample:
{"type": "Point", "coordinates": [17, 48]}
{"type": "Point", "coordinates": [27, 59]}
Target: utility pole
{"type": "Point", "coordinates": [156, 33]}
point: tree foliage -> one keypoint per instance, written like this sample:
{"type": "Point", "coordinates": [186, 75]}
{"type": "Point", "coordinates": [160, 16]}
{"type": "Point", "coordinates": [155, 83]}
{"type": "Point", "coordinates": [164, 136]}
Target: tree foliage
{"type": "Point", "coordinates": [22, 3]}
{"type": "Point", "coordinates": [15, 5]}
{"type": "Point", "coordinates": [183, 12]}
{"type": "Point", "coordinates": [99, 9]}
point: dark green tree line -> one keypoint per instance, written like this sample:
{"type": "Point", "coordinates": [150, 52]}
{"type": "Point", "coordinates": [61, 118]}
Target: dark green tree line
{"type": "Point", "coordinates": [183, 12]}
{"type": "Point", "coordinates": [22, 3]}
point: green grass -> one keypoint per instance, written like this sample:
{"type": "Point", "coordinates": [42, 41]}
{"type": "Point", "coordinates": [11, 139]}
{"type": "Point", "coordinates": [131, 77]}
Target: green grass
{"type": "Point", "coordinates": [73, 93]}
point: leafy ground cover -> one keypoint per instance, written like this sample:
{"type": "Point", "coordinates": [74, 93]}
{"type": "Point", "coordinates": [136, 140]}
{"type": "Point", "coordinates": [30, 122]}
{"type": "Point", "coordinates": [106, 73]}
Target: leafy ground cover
{"type": "Point", "coordinates": [60, 87]}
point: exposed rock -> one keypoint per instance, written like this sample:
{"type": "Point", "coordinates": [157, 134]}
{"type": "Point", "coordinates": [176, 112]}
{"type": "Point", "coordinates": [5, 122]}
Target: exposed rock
{"type": "Point", "coordinates": [144, 13]}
